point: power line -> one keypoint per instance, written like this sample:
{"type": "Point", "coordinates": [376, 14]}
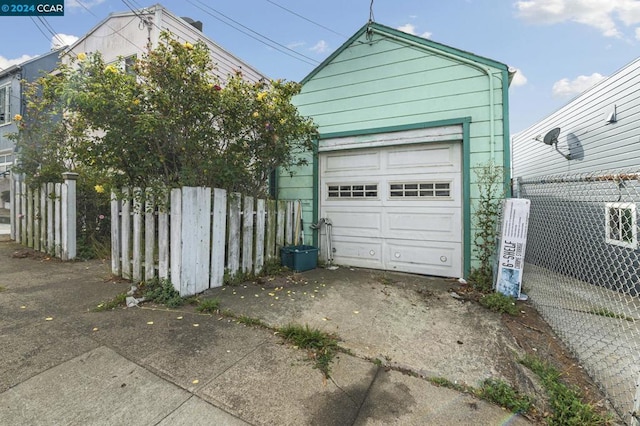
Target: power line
{"type": "Point", "coordinates": [258, 37]}
{"type": "Point", "coordinates": [39, 29]}
{"type": "Point", "coordinates": [306, 19]}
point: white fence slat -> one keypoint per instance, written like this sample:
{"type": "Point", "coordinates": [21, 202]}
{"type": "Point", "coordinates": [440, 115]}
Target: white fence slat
{"type": "Point", "coordinates": [29, 218]}
{"type": "Point", "coordinates": [176, 238]}
{"type": "Point", "coordinates": [218, 231]}
{"type": "Point", "coordinates": [271, 230]}
{"type": "Point", "coordinates": [64, 192]}
{"type": "Point", "coordinates": [57, 224]}
{"type": "Point", "coordinates": [51, 201]}
{"type": "Point", "coordinates": [125, 228]}
{"type": "Point", "coordinates": [289, 224]}
{"type": "Point", "coordinates": [12, 205]}
{"type": "Point", "coordinates": [23, 213]}
{"type": "Point", "coordinates": [36, 219]}
{"type": "Point", "coordinates": [115, 235]}
{"type": "Point", "coordinates": [69, 219]}
{"type": "Point", "coordinates": [137, 236]}
{"type": "Point", "coordinates": [163, 239]}
{"type": "Point", "coordinates": [196, 231]}
{"type": "Point", "coordinates": [149, 236]}
{"type": "Point", "coordinates": [43, 217]}
{"type": "Point", "coordinates": [247, 235]}
{"type": "Point", "coordinates": [259, 236]}
{"type": "Point", "coordinates": [233, 261]}
{"type": "Point", "coordinates": [280, 230]}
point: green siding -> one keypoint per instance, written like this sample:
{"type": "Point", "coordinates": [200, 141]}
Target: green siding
{"type": "Point", "coordinates": [382, 82]}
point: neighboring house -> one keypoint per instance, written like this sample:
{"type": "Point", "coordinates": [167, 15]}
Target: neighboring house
{"type": "Point", "coordinates": [599, 130]}
{"type": "Point", "coordinates": [579, 167]}
{"type": "Point", "coordinates": [12, 102]}
{"type": "Point", "coordinates": [403, 122]}
{"type": "Point", "coordinates": [125, 36]}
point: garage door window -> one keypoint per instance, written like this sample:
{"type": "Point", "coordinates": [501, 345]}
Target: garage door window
{"type": "Point", "coordinates": [420, 189]}
{"type": "Point", "coordinates": [369, 190]}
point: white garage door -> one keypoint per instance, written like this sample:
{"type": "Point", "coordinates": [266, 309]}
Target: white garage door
{"type": "Point", "coordinates": [395, 208]}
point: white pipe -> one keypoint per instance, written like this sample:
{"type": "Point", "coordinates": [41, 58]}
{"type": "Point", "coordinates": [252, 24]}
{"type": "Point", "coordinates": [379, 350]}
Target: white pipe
{"type": "Point", "coordinates": [486, 71]}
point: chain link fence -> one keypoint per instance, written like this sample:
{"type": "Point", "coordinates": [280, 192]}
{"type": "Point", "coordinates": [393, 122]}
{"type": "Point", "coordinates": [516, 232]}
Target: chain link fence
{"type": "Point", "coordinates": [582, 273]}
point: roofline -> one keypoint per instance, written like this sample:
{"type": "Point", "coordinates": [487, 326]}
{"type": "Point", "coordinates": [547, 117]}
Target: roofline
{"type": "Point", "coordinates": [152, 10]}
{"type": "Point", "coordinates": [18, 67]}
{"type": "Point", "coordinates": [413, 38]}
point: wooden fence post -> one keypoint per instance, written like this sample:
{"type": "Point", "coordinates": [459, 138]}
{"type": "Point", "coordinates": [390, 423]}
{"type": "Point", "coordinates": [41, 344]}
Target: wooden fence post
{"type": "Point", "coordinates": [259, 240]}
{"type": "Point", "coordinates": [176, 238]}
{"type": "Point", "coordinates": [43, 217]}
{"type": "Point", "coordinates": [149, 235]}
{"type": "Point", "coordinates": [247, 235]}
{"type": "Point", "coordinates": [136, 274]}
{"type": "Point", "coordinates": [271, 230]}
{"type": "Point", "coordinates": [51, 241]}
{"type": "Point", "coordinates": [125, 228]}
{"type": "Point", "coordinates": [12, 204]}
{"type": "Point", "coordinates": [163, 238]}
{"type": "Point", "coordinates": [115, 235]}
{"type": "Point", "coordinates": [69, 216]}
{"type": "Point", "coordinates": [235, 205]}
{"type": "Point", "coordinates": [218, 231]}
{"type": "Point", "coordinates": [280, 232]}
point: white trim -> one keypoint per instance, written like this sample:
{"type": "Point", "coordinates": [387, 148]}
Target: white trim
{"type": "Point", "coordinates": [432, 134]}
{"type": "Point", "coordinates": [633, 244]}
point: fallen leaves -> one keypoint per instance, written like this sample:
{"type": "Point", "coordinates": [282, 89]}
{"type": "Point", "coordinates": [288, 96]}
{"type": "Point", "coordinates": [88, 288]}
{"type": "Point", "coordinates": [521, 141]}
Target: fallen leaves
{"type": "Point", "coordinates": [48, 319]}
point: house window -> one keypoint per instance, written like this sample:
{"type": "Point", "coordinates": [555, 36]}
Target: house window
{"type": "Point", "coordinates": [130, 64]}
{"type": "Point", "coordinates": [621, 225]}
{"type": "Point", "coordinates": [5, 104]}
{"type": "Point", "coordinates": [357, 190]}
{"type": "Point", "coordinates": [420, 189]}
{"type": "Point", "coordinates": [6, 161]}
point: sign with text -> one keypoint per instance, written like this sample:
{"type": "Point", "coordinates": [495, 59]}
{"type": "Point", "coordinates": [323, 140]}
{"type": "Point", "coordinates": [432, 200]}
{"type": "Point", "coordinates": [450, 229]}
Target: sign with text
{"type": "Point", "coordinates": [31, 7]}
{"type": "Point", "coordinates": [512, 240]}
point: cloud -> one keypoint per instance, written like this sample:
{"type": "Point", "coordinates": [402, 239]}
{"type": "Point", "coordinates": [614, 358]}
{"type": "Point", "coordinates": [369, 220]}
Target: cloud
{"type": "Point", "coordinates": [568, 88]}
{"type": "Point", "coordinates": [84, 4]}
{"type": "Point", "coordinates": [411, 29]}
{"type": "Point", "coordinates": [320, 47]}
{"type": "Point", "coordinates": [600, 14]}
{"type": "Point", "coordinates": [59, 40]}
{"type": "Point", "coordinates": [519, 79]}
{"type": "Point", "coordinates": [6, 63]}
{"type": "Point", "coordinates": [295, 44]}
{"type": "Point", "coordinates": [638, 33]}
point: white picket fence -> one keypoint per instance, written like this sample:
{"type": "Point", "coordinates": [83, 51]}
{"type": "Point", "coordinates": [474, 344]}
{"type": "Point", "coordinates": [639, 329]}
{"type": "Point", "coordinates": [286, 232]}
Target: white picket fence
{"type": "Point", "coordinates": [45, 218]}
{"type": "Point", "coordinates": [197, 235]}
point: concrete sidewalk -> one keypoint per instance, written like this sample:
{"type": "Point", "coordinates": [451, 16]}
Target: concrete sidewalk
{"type": "Point", "coordinates": [62, 363]}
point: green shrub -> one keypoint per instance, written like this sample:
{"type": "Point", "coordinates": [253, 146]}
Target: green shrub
{"type": "Point", "coordinates": [498, 302]}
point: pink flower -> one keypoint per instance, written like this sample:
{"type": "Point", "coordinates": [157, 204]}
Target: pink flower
{"type": "Point", "coordinates": [101, 217]}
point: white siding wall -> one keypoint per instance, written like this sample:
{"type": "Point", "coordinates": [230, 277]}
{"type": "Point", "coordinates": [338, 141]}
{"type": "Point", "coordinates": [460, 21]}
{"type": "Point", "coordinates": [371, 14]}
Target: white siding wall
{"type": "Point", "coordinates": [594, 144]}
{"type": "Point", "coordinates": [122, 35]}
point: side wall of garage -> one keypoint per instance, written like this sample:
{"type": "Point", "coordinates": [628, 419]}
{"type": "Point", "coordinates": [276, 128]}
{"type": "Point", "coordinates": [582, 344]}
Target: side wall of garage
{"type": "Point", "coordinates": [383, 80]}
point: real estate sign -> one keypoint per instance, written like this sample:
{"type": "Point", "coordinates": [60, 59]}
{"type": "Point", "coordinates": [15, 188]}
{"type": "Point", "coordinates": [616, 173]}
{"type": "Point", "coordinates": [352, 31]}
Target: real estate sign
{"type": "Point", "coordinates": [512, 239]}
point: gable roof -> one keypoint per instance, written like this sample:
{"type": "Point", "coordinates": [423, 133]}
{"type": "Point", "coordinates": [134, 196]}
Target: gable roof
{"type": "Point", "coordinates": [413, 39]}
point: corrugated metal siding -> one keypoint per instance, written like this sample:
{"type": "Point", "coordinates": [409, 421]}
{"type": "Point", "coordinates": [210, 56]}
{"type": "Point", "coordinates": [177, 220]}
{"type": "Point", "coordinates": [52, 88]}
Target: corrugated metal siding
{"type": "Point", "coordinates": [595, 144]}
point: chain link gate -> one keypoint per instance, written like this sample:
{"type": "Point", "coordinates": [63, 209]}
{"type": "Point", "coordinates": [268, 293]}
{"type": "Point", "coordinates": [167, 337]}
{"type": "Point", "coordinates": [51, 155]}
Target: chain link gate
{"type": "Point", "coordinates": [582, 273]}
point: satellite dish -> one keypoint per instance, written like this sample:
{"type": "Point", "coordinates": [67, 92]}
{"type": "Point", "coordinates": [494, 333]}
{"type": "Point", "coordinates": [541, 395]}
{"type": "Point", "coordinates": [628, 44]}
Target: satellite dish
{"type": "Point", "coordinates": [551, 138]}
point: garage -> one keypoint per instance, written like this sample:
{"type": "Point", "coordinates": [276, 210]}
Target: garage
{"type": "Point", "coordinates": [395, 207]}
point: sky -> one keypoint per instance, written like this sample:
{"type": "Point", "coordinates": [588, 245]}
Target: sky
{"type": "Point", "coordinates": [559, 47]}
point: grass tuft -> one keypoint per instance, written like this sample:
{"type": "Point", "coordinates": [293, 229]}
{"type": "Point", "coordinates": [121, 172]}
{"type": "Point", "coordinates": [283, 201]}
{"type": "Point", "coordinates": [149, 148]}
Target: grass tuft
{"type": "Point", "coordinates": [500, 303]}
{"type": "Point", "coordinates": [501, 393]}
{"type": "Point", "coordinates": [322, 346]}
{"type": "Point", "coordinates": [604, 312]}
{"type": "Point", "coordinates": [209, 306]}
{"type": "Point", "coordinates": [118, 300]}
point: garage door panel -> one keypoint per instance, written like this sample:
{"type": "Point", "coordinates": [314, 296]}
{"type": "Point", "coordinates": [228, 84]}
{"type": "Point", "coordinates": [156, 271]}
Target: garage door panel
{"type": "Point", "coordinates": [350, 223]}
{"type": "Point", "coordinates": [432, 224]}
{"type": "Point", "coordinates": [443, 157]}
{"type": "Point", "coordinates": [437, 258]}
{"type": "Point", "coordinates": [362, 252]}
{"type": "Point", "coordinates": [341, 163]}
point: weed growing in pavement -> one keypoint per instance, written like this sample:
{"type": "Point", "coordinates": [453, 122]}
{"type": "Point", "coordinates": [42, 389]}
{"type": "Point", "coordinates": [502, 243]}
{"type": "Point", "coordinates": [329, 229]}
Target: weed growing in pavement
{"type": "Point", "coordinates": [322, 346]}
{"type": "Point", "coordinates": [566, 402]}
{"type": "Point", "coordinates": [162, 292]}
{"type": "Point", "coordinates": [243, 319]}
{"type": "Point", "coordinates": [501, 393]}
{"type": "Point", "coordinates": [498, 302]}
{"type": "Point", "coordinates": [209, 306]}
{"type": "Point", "coordinates": [604, 312]}
{"type": "Point", "coordinates": [446, 383]}
{"type": "Point", "coordinates": [118, 300]}
{"type": "Point", "coordinates": [2, 288]}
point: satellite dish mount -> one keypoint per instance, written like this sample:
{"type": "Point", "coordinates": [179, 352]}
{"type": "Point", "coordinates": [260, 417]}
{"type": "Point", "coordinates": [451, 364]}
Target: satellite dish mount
{"type": "Point", "coordinates": [551, 138]}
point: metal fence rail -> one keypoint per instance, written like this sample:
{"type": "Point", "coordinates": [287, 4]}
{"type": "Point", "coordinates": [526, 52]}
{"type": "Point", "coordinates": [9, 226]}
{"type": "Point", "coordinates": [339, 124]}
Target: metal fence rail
{"type": "Point", "coordinates": [582, 273]}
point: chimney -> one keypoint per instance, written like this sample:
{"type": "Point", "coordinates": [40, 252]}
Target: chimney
{"type": "Point", "coordinates": [196, 24]}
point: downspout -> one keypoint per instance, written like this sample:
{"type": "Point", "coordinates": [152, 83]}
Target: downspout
{"type": "Point", "coordinates": [486, 71]}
